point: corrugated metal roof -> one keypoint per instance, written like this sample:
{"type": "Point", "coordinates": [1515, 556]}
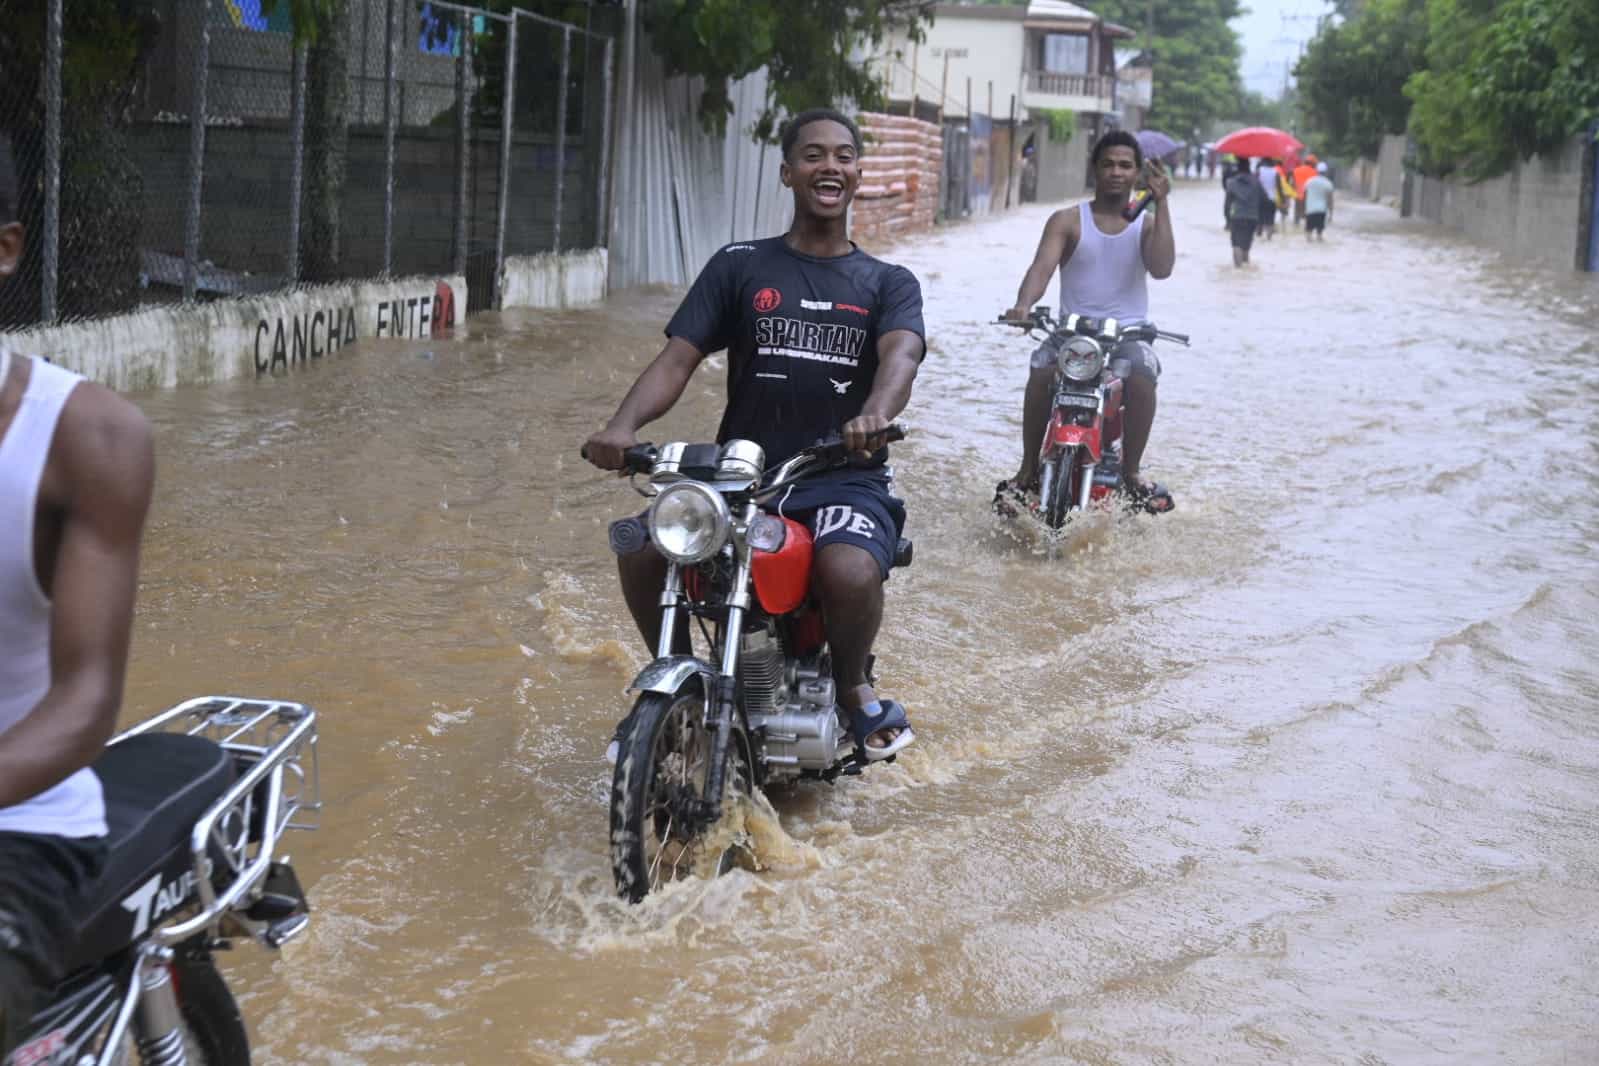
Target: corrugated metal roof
{"type": "Point", "coordinates": [1058, 9]}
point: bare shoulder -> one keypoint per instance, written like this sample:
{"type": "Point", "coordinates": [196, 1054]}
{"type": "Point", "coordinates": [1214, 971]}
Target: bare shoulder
{"type": "Point", "coordinates": [1067, 221]}
{"type": "Point", "coordinates": [104, 444]}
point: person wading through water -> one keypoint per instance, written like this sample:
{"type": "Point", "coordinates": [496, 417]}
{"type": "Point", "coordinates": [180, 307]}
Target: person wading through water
{"type": "Point", "coordinates": [1104, 263]}
{"type": "Point", "coordinates": [820, 337]}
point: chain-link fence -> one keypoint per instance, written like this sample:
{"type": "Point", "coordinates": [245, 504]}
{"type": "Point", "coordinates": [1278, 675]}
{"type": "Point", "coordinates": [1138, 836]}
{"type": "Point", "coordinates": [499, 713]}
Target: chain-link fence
{"type": "Point", "coordinates": [231, 159]}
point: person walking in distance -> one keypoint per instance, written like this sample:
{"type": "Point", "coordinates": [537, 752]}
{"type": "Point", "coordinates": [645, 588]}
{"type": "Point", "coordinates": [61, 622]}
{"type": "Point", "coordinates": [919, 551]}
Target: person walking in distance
{"type": "Point", "coordinates": [1266, 175]}
{"type": "Point", "coordinates": [76, 474]}
{"type": "Point", "coordinates": [1105, 262]}
{"type": "Point", "coordinates": [1302, 175]}
{"type": "Point", "coordinates": [1318, 203]}
{"type": "Point", "coordinates": [1246, 204]}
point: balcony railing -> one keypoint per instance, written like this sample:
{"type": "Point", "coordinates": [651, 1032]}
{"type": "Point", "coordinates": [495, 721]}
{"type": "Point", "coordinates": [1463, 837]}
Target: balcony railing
{"type": "Point", "coordinates": [1096, 86]}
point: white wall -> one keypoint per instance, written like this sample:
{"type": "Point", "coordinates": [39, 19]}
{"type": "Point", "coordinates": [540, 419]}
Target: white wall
{"type": "Point", "coordinates": [994, 52]}
{"type": "Point", "coordinates": [162, 347]}
{"type": "Point", "coordinates": [553, 279]}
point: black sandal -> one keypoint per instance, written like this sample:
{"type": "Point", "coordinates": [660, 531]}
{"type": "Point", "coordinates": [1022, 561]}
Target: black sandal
{"type": "Point", "coordinates": [1147, 496]}
{"type": "Point", "coordinates": [1010, 500]}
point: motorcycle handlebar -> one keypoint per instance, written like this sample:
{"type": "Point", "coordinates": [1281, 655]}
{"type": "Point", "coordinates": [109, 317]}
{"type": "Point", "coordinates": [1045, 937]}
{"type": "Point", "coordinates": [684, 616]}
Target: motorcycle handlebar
{"type": "Point", "coordinates": [640, 459]}
{"type": "Point", "coordinates": [1040, 319]}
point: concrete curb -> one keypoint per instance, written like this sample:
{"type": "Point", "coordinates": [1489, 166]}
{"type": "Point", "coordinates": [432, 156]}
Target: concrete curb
{"type": "Point", "coordinates": [163, 347]}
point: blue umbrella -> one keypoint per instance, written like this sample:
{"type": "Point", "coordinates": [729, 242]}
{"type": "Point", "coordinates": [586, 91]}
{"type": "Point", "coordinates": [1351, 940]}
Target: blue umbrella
{"type": "Point", "coordinates": [1156, 144]}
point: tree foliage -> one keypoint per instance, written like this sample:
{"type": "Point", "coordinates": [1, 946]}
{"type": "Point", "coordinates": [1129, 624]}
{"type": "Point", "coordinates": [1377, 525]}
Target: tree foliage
{"type": "Point", "coordinates": [1504, 81]}
{"type": "Point", "coordinates": [1196, 58]}
{"type": "Point", "coordinates": [814, 52]}
{"type": "Point", "coordinates": [1477, 83]}
{"type": "Point", "coordinates": [1353, 74]}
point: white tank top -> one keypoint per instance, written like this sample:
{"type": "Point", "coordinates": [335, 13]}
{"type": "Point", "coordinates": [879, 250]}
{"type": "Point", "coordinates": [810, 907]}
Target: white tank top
{"type": "Point", "coordinates": [76, 806]}
{"type": "Point", "coordinates": [1105, 277]}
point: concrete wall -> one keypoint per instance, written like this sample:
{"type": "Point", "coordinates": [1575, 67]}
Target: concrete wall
{"type": "Point", "coordinates": [1390, 176]}
{"type": "Point", "coordinates": [904, 161]}
{"type": "Point", "coordinates": [574, 279]}
{"type": "Point", "coordinates": [1062, 165]}
{"type": "Point", "coordinates": [162, 347]}
{"type": "Point", "coordinates": [1534, 212]}
{"type": "Point", "coordinates": [985, 44]}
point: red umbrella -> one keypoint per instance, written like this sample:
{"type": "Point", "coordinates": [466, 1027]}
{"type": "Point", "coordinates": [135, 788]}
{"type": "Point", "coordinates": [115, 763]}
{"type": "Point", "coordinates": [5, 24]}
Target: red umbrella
{"type": "Point", "coordinates": [1259, 141]}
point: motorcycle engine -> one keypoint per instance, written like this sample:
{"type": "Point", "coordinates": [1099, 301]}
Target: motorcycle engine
{"type": "Point", "coordinates": [790, 706]}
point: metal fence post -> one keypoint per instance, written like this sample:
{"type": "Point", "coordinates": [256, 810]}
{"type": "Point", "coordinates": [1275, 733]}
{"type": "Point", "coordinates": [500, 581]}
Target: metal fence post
{"type": "Point", "coordinates": [296, 156]}
{"type": "Point", "coordinates": [52, 163]}
{"type": "Point", "coordinates": [602, 186]}
{"type": "Point", "coordinates": [463, 143]}
{"type": "Point", "coordinates": [390, 88]}
{"type": "Point", "coordinates": [508, 103]}
{"type": "Point", "coordinates": [191, 221]}
{"type": "Point", "coordinates": [560, 131]}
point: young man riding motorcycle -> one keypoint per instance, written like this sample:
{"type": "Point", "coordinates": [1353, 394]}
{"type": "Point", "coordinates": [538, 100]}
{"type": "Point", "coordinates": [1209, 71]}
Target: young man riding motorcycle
{"type": "Point", "coordinates": [76, 471]}
{"type": "Point", "coordinates": [820, 337]}
{"type": "Point", "coordinates": [1103, 261]}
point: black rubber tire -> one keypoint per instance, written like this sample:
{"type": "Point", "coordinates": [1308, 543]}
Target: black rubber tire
{"type": "Point", "coordinates": [1064, 475]}
{"type": "Point", "coordinates": [637, 775]}
{"type": "Point", "coordinates": [210, 1013]}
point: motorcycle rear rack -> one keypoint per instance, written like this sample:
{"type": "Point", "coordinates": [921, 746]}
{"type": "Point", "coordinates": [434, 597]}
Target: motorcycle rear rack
{"type": "Point", "coordinates": [234, 843]}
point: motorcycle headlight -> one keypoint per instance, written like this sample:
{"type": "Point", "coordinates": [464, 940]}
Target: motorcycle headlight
{"type": "Point", "coordinates": [689, 522]}
{"type": "Point", "coordinates": [1082, 359]}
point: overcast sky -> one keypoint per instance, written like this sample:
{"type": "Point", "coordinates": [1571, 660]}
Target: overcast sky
{"type": "Point", "coordinates": [1272, 32]}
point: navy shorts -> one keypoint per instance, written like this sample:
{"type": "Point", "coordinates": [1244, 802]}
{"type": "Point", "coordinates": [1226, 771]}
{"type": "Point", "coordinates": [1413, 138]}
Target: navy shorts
{"type": "Point", "coordinates": [842, 507]}
{"type": "Point", "coordinates": [42, 882]}
{"type": "Point", "coordinates": [1316, 222]}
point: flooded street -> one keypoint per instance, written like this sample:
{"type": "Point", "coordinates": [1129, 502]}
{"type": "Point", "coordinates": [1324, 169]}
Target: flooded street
{"type": "Point", "coordinates": [1305, 772]}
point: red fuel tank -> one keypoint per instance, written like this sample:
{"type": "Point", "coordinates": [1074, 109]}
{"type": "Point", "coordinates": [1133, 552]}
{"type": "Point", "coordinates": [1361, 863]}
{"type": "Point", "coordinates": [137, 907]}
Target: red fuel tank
{"type": "Point", "coordinates": [782, 577]}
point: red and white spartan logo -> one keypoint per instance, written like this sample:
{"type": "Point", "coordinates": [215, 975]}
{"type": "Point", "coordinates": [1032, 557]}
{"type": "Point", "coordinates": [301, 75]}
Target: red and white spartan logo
{"type": "Point", "coordinates": [768, 300]}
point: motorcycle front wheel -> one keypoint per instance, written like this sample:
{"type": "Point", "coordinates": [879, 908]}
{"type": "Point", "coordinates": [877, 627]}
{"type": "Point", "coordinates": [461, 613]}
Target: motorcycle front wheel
{"type": "Point", "coordinates": [1060, 482]}
{"type": "Point", "coordinates": [657, 835]}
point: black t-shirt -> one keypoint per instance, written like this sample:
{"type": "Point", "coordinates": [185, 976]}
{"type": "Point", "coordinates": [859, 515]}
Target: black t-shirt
{"type": "Point", "coordinates": [801, 336]}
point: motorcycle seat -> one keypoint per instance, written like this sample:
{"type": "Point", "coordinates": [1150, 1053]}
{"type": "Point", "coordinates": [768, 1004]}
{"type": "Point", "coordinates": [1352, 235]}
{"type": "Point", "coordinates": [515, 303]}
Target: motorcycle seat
{"type": "Point", "coordinates": [157, 786]}
{"type": "Point", "coordinates": [904, 552]}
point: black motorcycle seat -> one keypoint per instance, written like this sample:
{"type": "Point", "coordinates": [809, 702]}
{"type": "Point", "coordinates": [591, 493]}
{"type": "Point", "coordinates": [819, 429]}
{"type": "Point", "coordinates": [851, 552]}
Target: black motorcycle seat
{"type": "Point", "coordinates": [157, 786]}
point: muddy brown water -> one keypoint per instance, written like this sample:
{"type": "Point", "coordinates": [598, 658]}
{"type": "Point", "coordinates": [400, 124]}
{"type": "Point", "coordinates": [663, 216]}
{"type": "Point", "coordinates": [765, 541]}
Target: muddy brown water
{"type": "Point", "coordinates": [1305, 772]}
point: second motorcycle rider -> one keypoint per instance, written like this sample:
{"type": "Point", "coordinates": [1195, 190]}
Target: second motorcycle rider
{"type": "Point", "coordinates": [820, 336]}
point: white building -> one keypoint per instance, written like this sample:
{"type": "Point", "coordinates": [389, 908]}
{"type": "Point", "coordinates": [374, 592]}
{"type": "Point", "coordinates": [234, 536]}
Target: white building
{"type": "Point", "coordinates": [1018, 66]}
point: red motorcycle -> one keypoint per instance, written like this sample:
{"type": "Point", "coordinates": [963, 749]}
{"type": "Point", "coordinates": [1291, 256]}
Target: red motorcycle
{"type": "Point", "coordinates": [761, 704]}
{"type": "Point", "coordinates": [1079, 462]}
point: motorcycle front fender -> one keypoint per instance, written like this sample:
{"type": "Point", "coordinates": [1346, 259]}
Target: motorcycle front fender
{"type": "Point", "coordinates": [667, 676]}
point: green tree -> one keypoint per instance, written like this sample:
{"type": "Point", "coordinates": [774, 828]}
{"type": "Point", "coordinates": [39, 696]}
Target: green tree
{"type": "Point", "coordinates": [1352, 75]}
{"type": "Point", "coordinates": [1503, 81]}
{"type": "Point", "coordinates": [810, 50]}
{"type": "Point", "coordinates": [1196, 57]}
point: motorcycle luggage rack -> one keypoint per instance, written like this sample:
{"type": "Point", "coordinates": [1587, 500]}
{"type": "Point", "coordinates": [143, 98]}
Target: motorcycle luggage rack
{"type": "Point", "coordinates": [234, 843]}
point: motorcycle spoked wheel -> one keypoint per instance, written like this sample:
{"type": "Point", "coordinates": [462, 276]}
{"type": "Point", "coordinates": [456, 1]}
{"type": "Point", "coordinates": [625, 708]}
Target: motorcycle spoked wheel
{"type": "Point", "coordinates": [213, 1027]}
{"type": "Point", "coordinates": [660, 775]}
{"type": "Point", "coordinates": [1060, 482]}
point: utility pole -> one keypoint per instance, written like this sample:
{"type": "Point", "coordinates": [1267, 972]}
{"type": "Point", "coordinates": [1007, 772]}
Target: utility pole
{"type": "Point", "coordinates": [1149, 46]}
{"type": "Point", "coordinates": [943, 88]}
{"type": "Point", "coordinates": [916, 58]}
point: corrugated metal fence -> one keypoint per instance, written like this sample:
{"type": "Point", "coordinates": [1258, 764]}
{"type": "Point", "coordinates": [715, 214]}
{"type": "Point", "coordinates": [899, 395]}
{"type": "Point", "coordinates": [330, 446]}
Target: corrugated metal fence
{"type": "Point", "coordinates": [680, 192]}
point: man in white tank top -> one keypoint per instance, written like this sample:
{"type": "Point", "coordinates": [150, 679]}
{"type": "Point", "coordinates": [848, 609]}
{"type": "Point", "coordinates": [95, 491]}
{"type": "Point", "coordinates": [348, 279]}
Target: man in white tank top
{"type": "Point", "coordinates": [1104, 262]}
{"type": "Point", "coordinates": [76, 468]}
